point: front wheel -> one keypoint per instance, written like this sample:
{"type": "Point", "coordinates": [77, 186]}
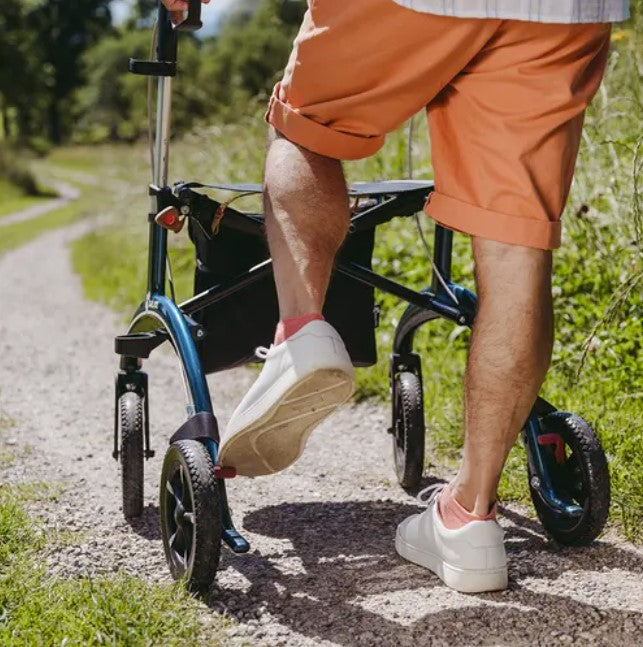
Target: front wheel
{"type": "Point", "coordinates": [131, 420]}
{"type": "Point", "coordinates": [579, 473]}
{"type": "Point", "coordinates": [408, 428]}
{"type": "Point", "coordinates": [190, 514]}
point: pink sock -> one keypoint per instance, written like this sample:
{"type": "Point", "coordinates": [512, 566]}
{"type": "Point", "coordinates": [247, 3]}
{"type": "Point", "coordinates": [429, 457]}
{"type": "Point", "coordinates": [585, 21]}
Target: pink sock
{"type": "Point", "coordinates": [288, 327]}
{"type": "Point", "coordinates": [454, 516]}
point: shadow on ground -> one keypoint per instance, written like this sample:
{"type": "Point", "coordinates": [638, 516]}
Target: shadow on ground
{"type": "Point", "coordinates": [349, 587]}
{"type": "Point", "coordinates": [148, 525]}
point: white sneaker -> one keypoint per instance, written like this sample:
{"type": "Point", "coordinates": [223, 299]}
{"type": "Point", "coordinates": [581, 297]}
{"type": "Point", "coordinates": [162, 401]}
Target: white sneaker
{"type": "Point", "coordinates": [302, 382]}
{"type": "Point", "coordinates": [470, 559]}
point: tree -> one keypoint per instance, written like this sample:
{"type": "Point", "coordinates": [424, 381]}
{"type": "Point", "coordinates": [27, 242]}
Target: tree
{"type": "Point", "coordinates": [113, 103]}
{"type": "Point", "coordinates": [19, 67]}
{"type": "Point", "coordinates": [65, 29]}
{"type": "Point", "coordinates": [248, 56]}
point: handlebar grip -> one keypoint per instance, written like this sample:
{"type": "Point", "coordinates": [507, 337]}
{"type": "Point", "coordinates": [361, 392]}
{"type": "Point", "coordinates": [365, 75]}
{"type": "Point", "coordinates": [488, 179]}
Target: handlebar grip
{"type": "Point", "coordinates": [192, 21]}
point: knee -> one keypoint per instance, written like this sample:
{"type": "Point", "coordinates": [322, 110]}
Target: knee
{"type": "Point", "coordinates": [296, 178]}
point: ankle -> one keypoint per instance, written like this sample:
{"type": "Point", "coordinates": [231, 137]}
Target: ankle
{"type": "Point", "coordinates": [288, 327]}
{"type": "Point", "coordinates": [473, 496]}
{"type": "Point", "coordinates": [455, 515]}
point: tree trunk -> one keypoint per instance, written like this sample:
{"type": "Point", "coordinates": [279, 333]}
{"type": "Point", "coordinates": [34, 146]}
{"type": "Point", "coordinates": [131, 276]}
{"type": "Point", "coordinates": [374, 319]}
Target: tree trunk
{"type": "Point", "coordinates": [54, 122]}
{"type": "Point", "coordinates": [5, 120]}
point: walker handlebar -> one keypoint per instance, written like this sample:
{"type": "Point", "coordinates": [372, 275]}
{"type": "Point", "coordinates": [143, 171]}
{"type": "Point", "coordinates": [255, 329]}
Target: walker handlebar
{"type": "Point", "coordinates": [192, 21]}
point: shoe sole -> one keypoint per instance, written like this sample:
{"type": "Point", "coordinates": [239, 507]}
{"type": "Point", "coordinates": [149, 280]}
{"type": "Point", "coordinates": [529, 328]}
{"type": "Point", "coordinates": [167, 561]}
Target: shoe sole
{"type": "Point", "coordinates": [460, 579]}
{"type": "Point", "coordinates": [278, 438]}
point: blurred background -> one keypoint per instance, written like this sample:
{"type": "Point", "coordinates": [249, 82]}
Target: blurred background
{"type": "Point", "coordinates": [73, 128]}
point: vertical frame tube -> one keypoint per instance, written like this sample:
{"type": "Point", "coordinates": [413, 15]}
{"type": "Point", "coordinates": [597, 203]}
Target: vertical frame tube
{"type": "Point", "coordinates": [158, 235]}
{"type": "Point", "coordinates": [442, 249]}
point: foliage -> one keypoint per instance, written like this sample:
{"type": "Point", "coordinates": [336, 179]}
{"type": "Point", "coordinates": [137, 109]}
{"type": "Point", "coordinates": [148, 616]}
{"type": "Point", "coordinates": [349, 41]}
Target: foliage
{"type": "Point", "coordinates": [13, 199]}
{"type": "Point", "coordinates": [15, 171]}
{"type": "Point", "coordinates": [38, 609]}
{"type": "Point", "coordinates": [43, 40]}
{"type": "Point", "coordinates": [224, 76]}
{"type": "Point", "coordinates": [17, 44]}
{"type": "Point", "coordinates": [242, 65]}
{"type": "Point", "coordinates": [74, 81]}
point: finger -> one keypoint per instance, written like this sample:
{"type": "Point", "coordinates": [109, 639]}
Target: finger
{"type": "Point", "coordinates": [177, 16]}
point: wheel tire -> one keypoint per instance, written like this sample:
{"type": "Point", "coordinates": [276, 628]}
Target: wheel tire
{"type": "Point", "coordinates": [131, 415]}
{"type": "Point", "coordinates": [191, 536]}
{"type": "Point", "coordinates": [408, 429]}
{"type": "Point", "coordinates": [583, 477]}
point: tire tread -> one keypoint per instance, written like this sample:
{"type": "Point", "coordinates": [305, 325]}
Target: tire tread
{"type": "Point", "coordinates": [410, 473]}
{"type": "Point", "coordinates": [205, 493]}
{"type": "Point", "coordinates": [131, 454]}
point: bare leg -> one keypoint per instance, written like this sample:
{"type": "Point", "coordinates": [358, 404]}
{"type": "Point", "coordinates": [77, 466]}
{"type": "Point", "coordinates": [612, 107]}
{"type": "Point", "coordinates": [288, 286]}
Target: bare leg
{"type": "Point", "coordinates": [305, 380]}
{"type": "Point", "coordinates": [307, 214]}
{"type": "Point", "coordinates": [508, 360]}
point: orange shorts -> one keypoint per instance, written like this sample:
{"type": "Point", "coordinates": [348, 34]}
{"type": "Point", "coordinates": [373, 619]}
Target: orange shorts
{"type": "Point", "coordinates": [505, 102]}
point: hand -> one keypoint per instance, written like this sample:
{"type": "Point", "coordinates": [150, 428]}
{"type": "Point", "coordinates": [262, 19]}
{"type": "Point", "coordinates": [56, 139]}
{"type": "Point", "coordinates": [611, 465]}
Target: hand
{"type": "Point", "coordinates": [177, 8]}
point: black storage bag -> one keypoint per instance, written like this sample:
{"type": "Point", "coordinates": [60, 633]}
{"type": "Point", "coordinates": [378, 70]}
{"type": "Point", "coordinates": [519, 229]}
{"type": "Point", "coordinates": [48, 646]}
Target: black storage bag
{"type": "Point", "coordinates": [244, 320]}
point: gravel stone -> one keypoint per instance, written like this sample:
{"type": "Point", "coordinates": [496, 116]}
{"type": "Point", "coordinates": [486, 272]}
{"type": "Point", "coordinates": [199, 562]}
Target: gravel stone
{"type": "Point", "coordinates": [322, 569]}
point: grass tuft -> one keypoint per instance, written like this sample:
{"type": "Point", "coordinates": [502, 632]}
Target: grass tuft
{"type": "Point", "coordinates": [104, 610]}
{"type": "Point", "coordinates": [38, 609]}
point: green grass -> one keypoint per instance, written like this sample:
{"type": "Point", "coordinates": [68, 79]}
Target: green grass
{"type": "Point", "coordinates": [597, 284]}
{"type": "Point", "coordinates": [18, 234]}
{"type": "Point", "coordinates": [39, 609]}
{"type": "Point", "coordinates": [95, 199]}
{"type": "Point", "coordinates": [13, 199]}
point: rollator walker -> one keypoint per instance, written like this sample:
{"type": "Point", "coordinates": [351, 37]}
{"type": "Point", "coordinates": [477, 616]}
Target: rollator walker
{"type": "Point", "coordinates": [234, 310]}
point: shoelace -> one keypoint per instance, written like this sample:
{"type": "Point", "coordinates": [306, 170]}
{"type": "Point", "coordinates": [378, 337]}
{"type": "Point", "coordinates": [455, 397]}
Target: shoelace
{"type": "Point", "coordinates": [261, 352]}
{"type": "Point", "coordinates": [429, 494]}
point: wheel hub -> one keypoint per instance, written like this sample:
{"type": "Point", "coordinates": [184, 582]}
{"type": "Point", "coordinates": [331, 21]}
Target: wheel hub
{"type": "Point", "coordinates": [179, 506]}
{"type": "Point", "coordinates": [179, 513]}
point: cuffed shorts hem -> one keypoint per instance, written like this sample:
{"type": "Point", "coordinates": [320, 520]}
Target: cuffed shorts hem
{"type": "Point", "coordinates": [317, 137]}
{"type": "Point", "coordinates": [485, 223]}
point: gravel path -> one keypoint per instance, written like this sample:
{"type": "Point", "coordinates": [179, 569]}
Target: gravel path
{"type": "Point", "coordinates": [322, 570]}
{"type": "Point", "coordinates": [66, 194]}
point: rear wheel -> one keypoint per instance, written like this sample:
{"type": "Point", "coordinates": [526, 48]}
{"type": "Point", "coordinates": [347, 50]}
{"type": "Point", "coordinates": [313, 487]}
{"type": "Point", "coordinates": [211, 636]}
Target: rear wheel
{"type": "Point", "coordinates": [408, 428]}
{"type": "Point", "coordinates": [190, 514]}
{"type": "Point", "coordinates": [579, 473]}
{"type": "Point", "coordinates": [131, 417]}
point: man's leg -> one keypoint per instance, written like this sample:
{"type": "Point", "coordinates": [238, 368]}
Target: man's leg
{"type": "Point", "coordinates": [305, 379]}
{"type": "Point", "coordinates": [335, 104]}
{"type": "Point", "coordinates": [307, 214]}
{"type": "Point", "coordinates": [509, 357]}
{"type": "Point", "coordinates": [457, 537]}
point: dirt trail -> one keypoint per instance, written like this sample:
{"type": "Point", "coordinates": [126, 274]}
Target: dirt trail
{"type": "Point", "coordinates": [322, 570]}
{"type": "Point", "coordinates": [66, 194]}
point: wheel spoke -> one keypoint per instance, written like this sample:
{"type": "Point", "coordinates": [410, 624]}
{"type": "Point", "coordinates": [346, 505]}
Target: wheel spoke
{"type": "Point", "coordinates": [189, 516]}
{"type": "Point", "coordinates": [172, 490]}
{"type": "Point", "coordinates": [173, 538]}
